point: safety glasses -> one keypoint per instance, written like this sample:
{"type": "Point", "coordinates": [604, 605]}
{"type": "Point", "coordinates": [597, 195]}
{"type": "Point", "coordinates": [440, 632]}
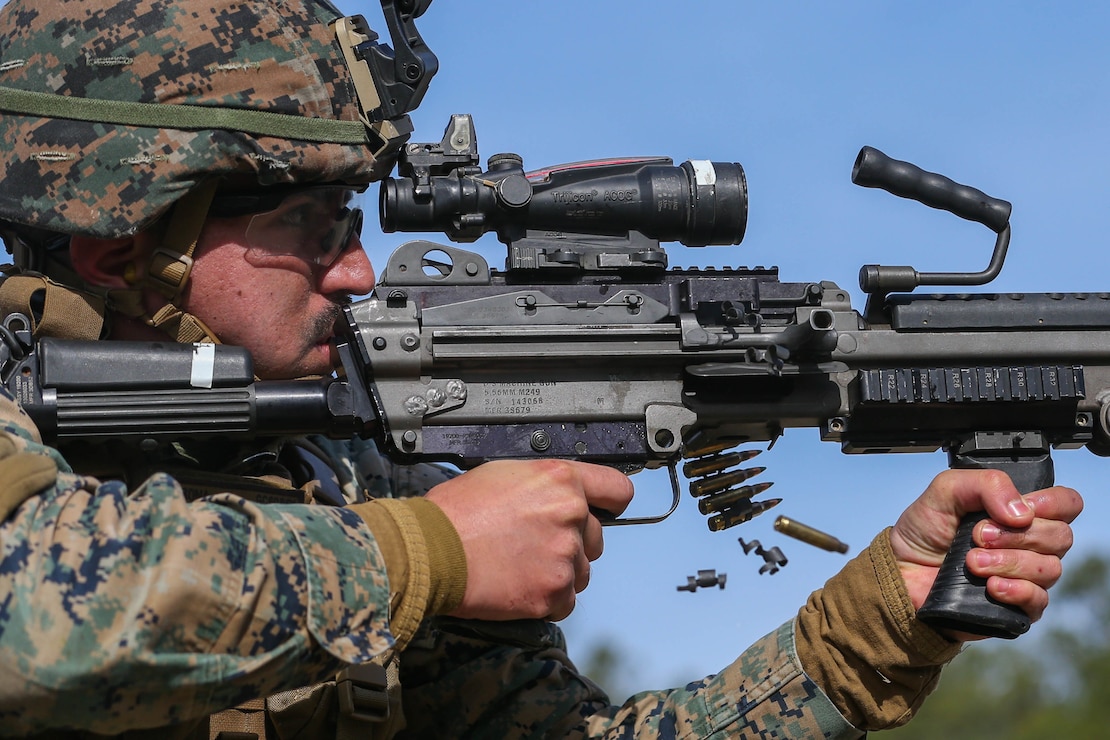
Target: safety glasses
{"type": "Point", "coordinates": [314, 223]}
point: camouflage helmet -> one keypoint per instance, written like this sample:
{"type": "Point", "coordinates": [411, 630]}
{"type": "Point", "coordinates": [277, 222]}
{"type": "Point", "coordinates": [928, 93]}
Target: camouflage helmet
{"type": "Point", "coordinates": [253, 90]}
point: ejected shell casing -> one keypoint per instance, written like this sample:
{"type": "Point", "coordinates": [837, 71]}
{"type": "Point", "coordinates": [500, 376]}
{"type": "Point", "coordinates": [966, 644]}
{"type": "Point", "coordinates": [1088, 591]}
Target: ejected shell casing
{"type": "Point", "coordinates": [741, 513]}
{"type": "Point", "coordinates": [722, 481]}
{"type": "Point", "coordinates": [725, 499]}
{"type": "Point", "coordinates": [717, 463]}
{"type": "Point", "coordinates": [809, 535]}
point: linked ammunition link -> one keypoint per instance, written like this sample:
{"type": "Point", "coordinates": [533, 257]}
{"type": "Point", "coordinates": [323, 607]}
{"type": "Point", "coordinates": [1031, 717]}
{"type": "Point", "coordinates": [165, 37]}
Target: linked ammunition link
{"type": "Point", "coordinates": [773, 559]}
{"type": "Point", "coordinates": [720, 487]}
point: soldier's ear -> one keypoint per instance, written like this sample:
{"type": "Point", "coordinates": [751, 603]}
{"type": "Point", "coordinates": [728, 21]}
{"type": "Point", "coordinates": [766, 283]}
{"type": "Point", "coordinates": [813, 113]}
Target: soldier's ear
{"type": "Point", "coordinates": [107, 263]}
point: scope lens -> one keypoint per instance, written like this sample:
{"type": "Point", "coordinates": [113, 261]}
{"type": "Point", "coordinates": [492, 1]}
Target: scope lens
{"type": "Point", "coordinates": [718, 212]}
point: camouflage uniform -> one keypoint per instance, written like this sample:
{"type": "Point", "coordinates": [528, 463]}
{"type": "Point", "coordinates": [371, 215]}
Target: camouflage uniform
{"type": "Point", "coordinates": [130, 607]}
{"type": "Point", "coordinates": [171, 610]}
{"type": "Point", "coordinates": [854, 659]}
{"type": "Point", "coordinates": [134, 608]}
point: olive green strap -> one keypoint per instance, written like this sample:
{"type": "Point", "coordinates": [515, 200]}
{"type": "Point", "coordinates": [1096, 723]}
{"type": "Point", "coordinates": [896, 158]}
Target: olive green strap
{"type": "Point", "coordinates": [182, 116]}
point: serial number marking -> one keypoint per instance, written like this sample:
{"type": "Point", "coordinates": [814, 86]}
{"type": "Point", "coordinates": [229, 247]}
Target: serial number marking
{"type": "Point", "coordinates": [465, 438]}
{"type": "Point", "coordinates": [516, 398]}
{"type": "Point", "coordinates": [525, 391]}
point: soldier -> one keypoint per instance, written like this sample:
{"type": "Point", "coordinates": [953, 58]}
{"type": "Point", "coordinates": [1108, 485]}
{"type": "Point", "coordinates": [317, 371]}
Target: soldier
{"type": "Point", "coordinates": [314, 586]}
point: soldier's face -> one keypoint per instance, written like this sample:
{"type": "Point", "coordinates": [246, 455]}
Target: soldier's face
{"type": "Point", "coordinates": [278, 304]}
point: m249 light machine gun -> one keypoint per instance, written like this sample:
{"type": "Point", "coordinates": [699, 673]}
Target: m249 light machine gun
{"type": "Point", "coordinates": [587, 346]}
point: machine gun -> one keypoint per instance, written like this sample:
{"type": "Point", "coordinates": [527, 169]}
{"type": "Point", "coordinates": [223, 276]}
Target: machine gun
{"type": "Point", "coordinates": [588, 346]}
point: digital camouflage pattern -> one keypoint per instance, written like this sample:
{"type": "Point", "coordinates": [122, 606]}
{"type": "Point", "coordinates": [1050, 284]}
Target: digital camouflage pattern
{"type": "Point", "coordinates": [172, 610]}
{"type": "Point", "coordinates": [112, 180]}
{"type": "Point", "coordinates": [182, 609]}
{"type": "Point", "coordinates": [492, 682]}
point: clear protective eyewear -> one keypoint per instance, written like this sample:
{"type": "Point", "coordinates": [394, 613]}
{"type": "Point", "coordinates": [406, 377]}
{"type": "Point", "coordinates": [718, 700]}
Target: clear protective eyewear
{"type": "Point", "coordinates": [314, 223]}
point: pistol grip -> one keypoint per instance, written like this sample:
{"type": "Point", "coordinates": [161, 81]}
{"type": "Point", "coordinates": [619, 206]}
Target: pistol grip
{"type": "Point", "coordinates": [959, 599]}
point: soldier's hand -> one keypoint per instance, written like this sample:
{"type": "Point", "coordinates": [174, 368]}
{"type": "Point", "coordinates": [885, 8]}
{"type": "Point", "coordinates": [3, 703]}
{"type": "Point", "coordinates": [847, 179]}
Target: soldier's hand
{"type": "Point", "coordinates": [1018, 548]}
{"type": "Point", "coordinates": [528, 533]}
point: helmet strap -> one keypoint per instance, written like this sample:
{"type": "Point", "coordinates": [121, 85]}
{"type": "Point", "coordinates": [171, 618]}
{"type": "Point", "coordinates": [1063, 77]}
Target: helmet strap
{"type": "Point", "coordinates": [182, 326]}
{"type": "Point", "coordinates": [171, 262]}
{"type": "Point", "coordinates": [168, 269]}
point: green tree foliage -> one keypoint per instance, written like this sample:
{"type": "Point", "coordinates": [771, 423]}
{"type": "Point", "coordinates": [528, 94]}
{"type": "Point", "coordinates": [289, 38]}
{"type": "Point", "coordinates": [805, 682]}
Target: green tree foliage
{"type": "Point", "coordinates": [1053, 683]}
{"type": "Point", "coordinates": [611, 669]}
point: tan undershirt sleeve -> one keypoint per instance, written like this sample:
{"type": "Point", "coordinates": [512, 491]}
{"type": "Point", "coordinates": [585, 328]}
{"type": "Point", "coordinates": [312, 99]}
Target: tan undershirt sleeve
{"type": "Point", "coordinates": [424, 559]}
{"type": "Point", "coordinates": [860, 640]}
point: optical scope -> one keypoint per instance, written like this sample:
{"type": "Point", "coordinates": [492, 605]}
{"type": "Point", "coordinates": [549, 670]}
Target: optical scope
{"type": "Point", "coordinates": [696, 203]}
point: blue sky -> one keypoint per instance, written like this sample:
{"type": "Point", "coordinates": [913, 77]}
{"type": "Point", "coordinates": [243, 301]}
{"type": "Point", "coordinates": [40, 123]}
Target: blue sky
{"type": "Point", "coordinates": [1010, 98]}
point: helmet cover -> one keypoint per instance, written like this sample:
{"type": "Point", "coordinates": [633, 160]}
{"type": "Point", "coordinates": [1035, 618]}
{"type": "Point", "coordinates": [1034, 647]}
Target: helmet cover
{"type": "Point", "coordinates": [82, 158]}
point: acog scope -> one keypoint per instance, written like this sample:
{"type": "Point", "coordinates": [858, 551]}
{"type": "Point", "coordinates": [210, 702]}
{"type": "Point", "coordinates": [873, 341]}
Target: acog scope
{"type": "Point", "coordinates": [441, 189]}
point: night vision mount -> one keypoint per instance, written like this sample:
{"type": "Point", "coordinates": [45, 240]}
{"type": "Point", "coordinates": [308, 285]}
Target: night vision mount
{"type": "Point", "coordinates": [390, 81]}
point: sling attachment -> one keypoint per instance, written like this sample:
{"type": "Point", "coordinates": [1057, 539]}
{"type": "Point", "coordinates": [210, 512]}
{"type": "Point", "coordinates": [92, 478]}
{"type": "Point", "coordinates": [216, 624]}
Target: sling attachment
{"type": "Point", "coordinates": [362, 692]}
{"type": "Point", "coordinates": [54, 310]}
{"type": "Point", "coordinates": [244, 722]}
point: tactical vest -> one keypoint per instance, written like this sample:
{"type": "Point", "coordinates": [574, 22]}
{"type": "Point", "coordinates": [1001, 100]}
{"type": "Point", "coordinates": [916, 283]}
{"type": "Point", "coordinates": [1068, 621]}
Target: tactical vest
{"type": "Point", "coordinates": [362, 701]}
